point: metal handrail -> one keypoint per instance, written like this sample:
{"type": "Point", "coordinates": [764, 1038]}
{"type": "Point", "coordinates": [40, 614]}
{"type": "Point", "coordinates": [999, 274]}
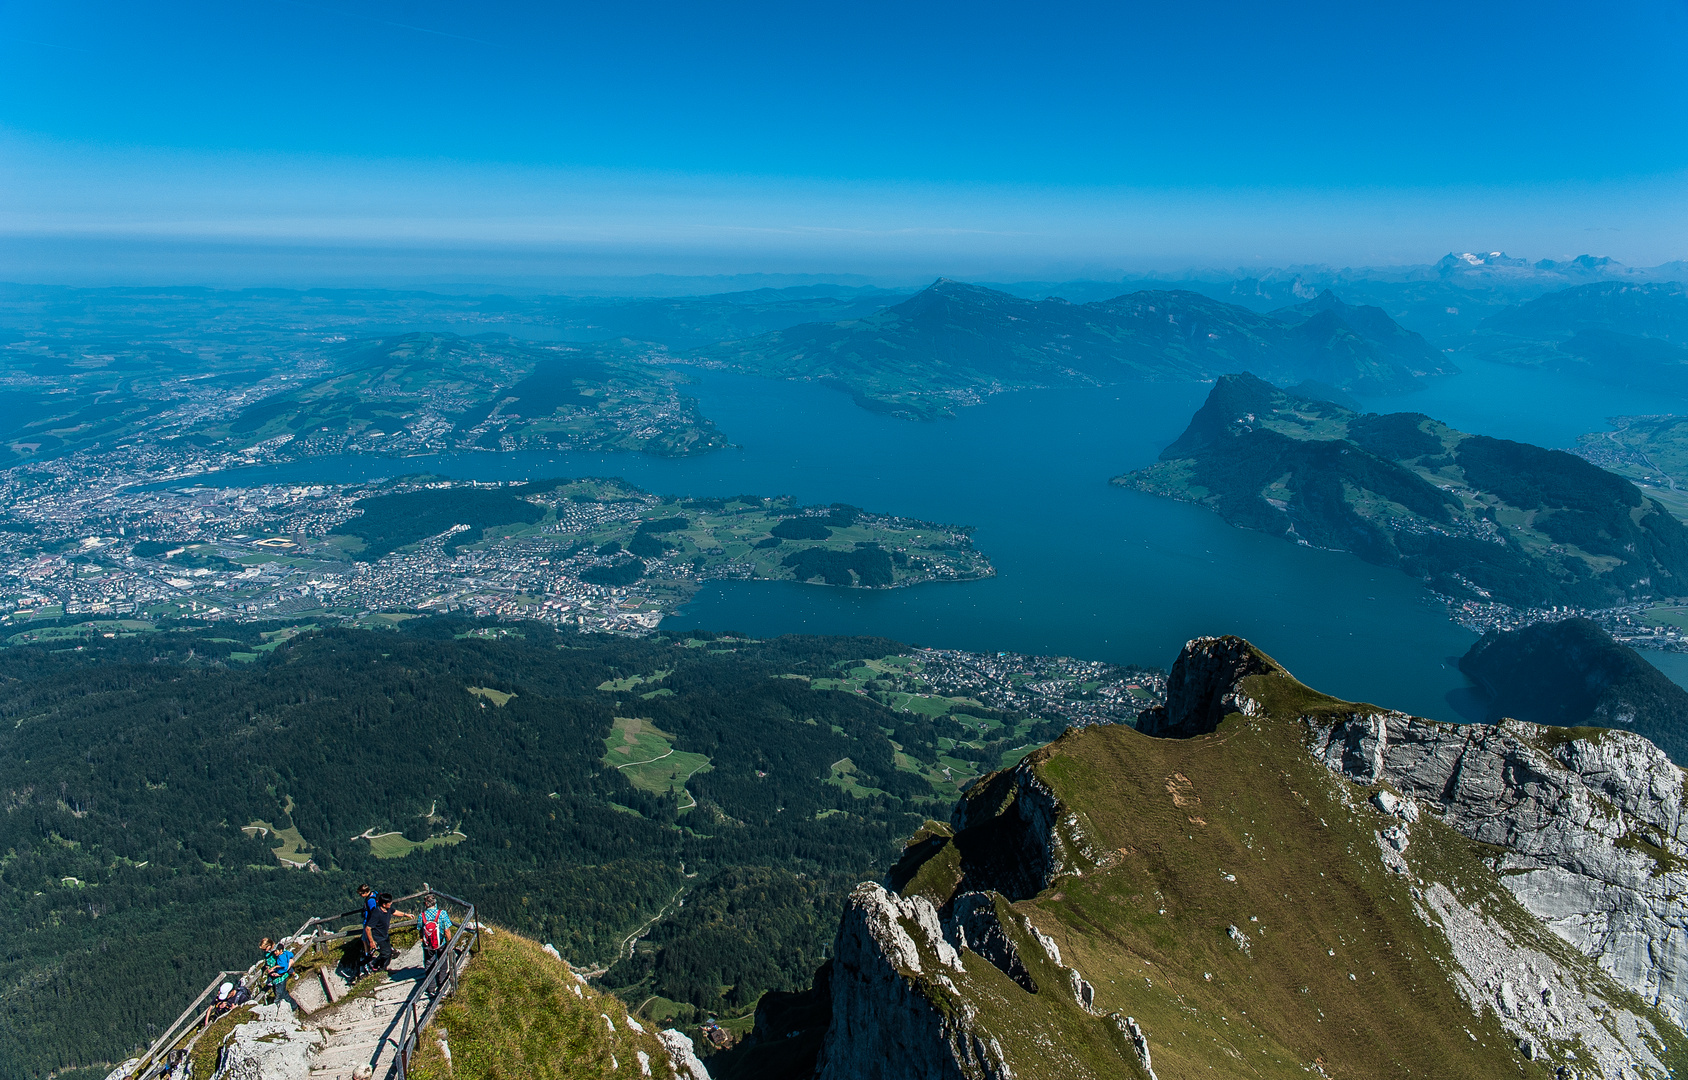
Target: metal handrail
{"type": "Point", "coordinates": [309, 935]}
{"type": "Point", "coordinates": [149, 1061]}
{"type": "Point", "coordinates": [435, 984]}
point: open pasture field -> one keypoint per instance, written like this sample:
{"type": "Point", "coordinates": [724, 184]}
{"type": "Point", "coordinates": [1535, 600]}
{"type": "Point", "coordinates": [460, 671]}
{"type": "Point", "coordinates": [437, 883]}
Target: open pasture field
{"type": "Point", "coordinates": [645, 754]}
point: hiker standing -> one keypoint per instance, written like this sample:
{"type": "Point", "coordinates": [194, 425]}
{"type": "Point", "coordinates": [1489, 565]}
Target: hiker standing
{"type": "Point", "coordinates": [367, 903]}
{"type": "Point", "coordinates": [433, 926]}
{"type": "Point", "coordinates": [278, 967]}
{"type": "Point", "coordinates": [377, 932]}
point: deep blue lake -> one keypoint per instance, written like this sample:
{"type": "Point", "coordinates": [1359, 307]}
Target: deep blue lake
{"type": "Point", "coordinates": [1083, 568]}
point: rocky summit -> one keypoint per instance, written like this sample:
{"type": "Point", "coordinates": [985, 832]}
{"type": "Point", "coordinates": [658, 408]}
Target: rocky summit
{"type": "Point", "coordinates": [1281, 883]}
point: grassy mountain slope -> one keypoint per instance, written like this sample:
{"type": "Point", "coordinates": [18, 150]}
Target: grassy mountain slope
{"type": "Point", "coordinates": [1572, 674]}
{"type": "Point", "coordinates": [952, 344]}
{"type": "Point", "coordinates": [1473, 516]}
{"type": "Point", "coordinates": [1649, 451]}
{"type": "Point", "coordinates": [521, 1013]}
{"type": "Point", "coordinates": [1229, 900]}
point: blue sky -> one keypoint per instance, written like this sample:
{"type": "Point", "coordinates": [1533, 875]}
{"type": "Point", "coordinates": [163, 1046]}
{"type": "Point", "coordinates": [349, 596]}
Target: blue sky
{"type": "Point", "coordinates": [882, 138]}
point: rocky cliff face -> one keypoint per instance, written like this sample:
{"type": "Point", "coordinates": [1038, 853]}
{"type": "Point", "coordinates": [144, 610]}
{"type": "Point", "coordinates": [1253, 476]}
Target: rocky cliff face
{"type": "Point", "coordinates": [1295, 886]}
{"type": "Point", "coordinates": [1204, 688]}
{"type": "Point", "coordinates": [1586, 831]}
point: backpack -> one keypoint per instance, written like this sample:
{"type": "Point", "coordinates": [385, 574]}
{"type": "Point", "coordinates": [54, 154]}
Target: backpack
{"type": "Point", "coordinates": [431, 934]}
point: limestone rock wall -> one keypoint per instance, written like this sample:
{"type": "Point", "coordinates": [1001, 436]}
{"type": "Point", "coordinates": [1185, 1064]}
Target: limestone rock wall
{"type": "Point", "coordinates": [1591, 829]}
{"type": "Point", "coordinates": [896, 1011]}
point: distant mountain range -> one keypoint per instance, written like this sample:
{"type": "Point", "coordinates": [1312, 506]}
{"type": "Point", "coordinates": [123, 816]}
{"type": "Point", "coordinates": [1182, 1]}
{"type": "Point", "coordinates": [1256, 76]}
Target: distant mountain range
{"type": "Point", "coordinates": [1657, 310]}
{"type": "Point", "coordinates": [1625, 333]}
{"type": "Point", "coordinates": [1474, 517]}
{"type": "Point", "coordinates": [1332, 332]}
{"type": "Point", "coordinates": [1444, 300]}
{"type": "Point", "coordinates": [954, 344]}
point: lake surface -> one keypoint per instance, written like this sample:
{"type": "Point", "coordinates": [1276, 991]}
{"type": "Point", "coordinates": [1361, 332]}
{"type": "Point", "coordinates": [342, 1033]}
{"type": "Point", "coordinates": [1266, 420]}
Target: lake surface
{"type": "Point", "coordinates": [1083, 568]}
{"type": "Point", "coordinates": [1531, 406]}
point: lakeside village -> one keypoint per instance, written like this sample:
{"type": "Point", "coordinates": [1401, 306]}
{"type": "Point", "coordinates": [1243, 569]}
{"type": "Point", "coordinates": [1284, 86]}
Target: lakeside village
{"type": "Point", "coordinates": [126, 555]}
{"type": "Point", "coordinates": [935, 682]}
{"type": "Point", "coordinates": [1078, 692]}
{"type": "Point", "coordinates": [263, 553]}
{"type": "Point", "coordinates": [1661, 625]}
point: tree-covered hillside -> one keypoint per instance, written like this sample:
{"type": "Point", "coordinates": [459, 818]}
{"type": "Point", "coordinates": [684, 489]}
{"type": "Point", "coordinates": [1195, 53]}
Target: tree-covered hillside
{"type": "Point", "coordinates": [1572, 674]}
{"type": "Point", "coordinates": [1474, 517]}
{"type": "Point", "coordinates": [152, 784]}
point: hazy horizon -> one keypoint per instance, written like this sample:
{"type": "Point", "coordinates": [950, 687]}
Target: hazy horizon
{"type": "Point", "coordinates": [287, 143]}
{"type": "Point", "coordinates": [105, 262]}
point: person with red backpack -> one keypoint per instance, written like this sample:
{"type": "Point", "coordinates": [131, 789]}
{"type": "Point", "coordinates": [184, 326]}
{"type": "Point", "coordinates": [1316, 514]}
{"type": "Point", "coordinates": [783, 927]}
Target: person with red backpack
{"type": "Point", "coordinates": [433, 927]}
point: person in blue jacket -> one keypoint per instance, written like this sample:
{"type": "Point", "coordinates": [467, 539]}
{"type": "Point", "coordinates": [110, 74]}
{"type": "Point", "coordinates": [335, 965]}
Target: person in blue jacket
{"type": "Point", "coordinates": [278, 967]}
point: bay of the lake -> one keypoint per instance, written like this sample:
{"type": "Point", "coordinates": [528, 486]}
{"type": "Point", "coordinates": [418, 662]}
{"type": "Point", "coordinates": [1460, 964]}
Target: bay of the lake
{"type": "Point", "coordinates": [1084, 568]}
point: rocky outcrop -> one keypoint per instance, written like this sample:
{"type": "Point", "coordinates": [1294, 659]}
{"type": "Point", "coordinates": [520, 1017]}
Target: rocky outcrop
{"type": "Point", "coordinates": [974, 923]}
{"type": "Point", "coordinates": [683, 1061]}
{"type": "Point", "coordinates": [1014, 836]}
{"type": "Point", "coordinates": [271, 1047]}
{"type": "Point", "coordinates": [897, 1012]}
{"type": "Point", "coordinates": [1587, 830]}
{"type": "Point", "coordinates": [1538, 1000]}
{"type": "Point", "coordinates": [1129, 1028]}
{"type": "Point", "coordinates": [1204, 688]}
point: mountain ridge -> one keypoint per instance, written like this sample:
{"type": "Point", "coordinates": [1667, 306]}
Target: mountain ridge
{"type": "Point", "coordinates": [953, 344]}
{"type": "Point", "coordinates": [1300, 885]}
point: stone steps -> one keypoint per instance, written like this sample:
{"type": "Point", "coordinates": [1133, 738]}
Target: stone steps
{"type": "Point", "coordinates": [365, 1030]}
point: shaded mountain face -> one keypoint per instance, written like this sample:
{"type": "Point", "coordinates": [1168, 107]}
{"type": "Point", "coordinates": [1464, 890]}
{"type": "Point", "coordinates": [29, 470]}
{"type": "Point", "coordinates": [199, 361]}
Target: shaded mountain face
{"type": "Point", "coordinates": [1572, 674]}
{"type": "Point", "coordinates": [1336, 329]}
{"type": "Point", "coordinates": [1474, 517]}
{"type": "Point", "coordinates": [953, 344]}
{"type": "Point", "coordinates": [1304, 886]}
{"type": "Point", "coordinates": [1623, 333]}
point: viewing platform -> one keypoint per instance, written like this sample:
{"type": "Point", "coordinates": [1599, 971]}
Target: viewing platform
{"type": "Point", "coordinates": [343, 1029]}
